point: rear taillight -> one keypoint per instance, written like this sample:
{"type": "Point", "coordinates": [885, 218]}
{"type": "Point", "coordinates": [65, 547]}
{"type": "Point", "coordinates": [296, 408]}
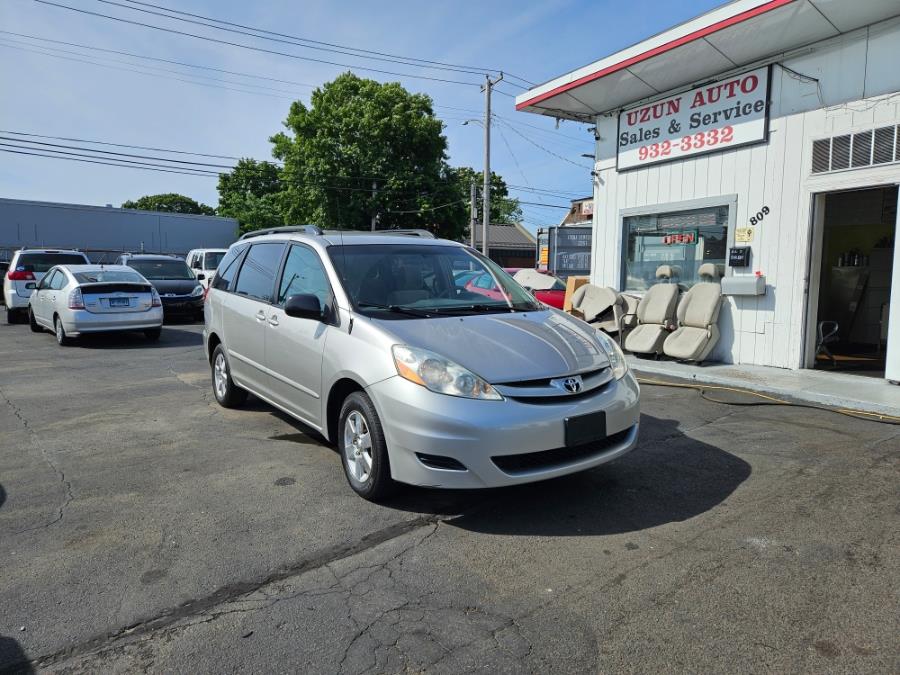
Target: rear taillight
{"type": "Point", "coordinates": [156, 302]}
{"type": "Point", "coordinates": [16, 275]}
{"type": "Point", "coordinates": [76, 299]}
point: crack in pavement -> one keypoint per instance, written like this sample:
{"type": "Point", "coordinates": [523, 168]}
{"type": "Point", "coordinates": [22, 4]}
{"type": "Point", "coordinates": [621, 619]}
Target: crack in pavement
{"type": "Point", "coordinates": [61, 475]}
{"type": "Point", "coordinates": [200, 606]}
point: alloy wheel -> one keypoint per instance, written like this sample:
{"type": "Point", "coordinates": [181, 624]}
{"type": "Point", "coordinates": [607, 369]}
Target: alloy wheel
{"type": "Point", "coordinates": [220, 376]}
{"type": "Point", "coordinates": [358, 446]}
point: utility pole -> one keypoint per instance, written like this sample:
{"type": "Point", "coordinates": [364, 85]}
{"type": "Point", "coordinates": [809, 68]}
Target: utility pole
{"type": "Point", "coordinates": [473, 212]}
{"type": "Point", "coordinates": [374, 212]}
{"type": "Point", "coordinates": [486, 196]}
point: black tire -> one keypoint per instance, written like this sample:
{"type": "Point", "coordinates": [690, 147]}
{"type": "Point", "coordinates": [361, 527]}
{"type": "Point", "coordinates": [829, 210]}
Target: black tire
{"type": "Point", "coordinates": [227, 393]}
{"type": "Point", "coordinates": [61, 338]}
{"type": "Point", "coordinates": [35, 326]}
{"type": "Point", "coordinates": [153, 334]}
{"type": "Point", "coordinates": [375, 484]}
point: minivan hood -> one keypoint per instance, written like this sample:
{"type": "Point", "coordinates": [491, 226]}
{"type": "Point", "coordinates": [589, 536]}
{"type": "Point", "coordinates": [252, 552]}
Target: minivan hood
{"type": "Point", "coordinates": [176, 286]}
{"type": "Point", "coordinates": [506, 347]}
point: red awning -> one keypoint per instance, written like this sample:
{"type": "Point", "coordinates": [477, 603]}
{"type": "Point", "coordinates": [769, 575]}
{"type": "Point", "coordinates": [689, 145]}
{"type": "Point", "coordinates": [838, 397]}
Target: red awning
{"type": "Point", "coordinates": [735, 35]}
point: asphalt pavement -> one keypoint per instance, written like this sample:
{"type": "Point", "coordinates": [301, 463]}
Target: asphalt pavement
{"type": "Point", "coordinates": [144, 528]}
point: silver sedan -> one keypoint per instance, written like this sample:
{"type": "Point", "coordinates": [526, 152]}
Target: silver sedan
{"type": "Point", "coordinates": [72, 300]}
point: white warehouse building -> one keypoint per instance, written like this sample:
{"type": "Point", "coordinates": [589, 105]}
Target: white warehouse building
{"type": "Point", "coordinates": [762, 137]}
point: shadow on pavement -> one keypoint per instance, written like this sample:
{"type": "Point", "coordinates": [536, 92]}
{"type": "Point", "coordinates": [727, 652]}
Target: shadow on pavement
{"type": "Point", "coordinates": [13, 658]}
{"type": "Point", "coordinates": [2, 495]}
{"type": "Point", "coordinates": [668, 477]}
{"type": "Point", "coordinates": [171, 337]}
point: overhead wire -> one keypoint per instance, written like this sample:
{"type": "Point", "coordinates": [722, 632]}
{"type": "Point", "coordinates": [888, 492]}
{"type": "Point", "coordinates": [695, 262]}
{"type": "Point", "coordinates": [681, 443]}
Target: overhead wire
{"type": "Point", "coordinates": [547, 150]}
{"type": "Point", "coordinates": [249, 47]}
{"type": "Point", "coordinates": [355, 51]}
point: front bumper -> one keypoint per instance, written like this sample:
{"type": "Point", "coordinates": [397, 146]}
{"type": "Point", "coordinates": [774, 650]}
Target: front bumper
{"type": "Point", "coordinates": [78, 322]}
{"type": "Point", "coordinates": [416, 420]}
{"type": "Point", "coordinates": [184, 304]}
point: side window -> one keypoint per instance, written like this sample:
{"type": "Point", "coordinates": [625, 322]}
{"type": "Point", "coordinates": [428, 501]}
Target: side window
{"type": "Point", "coordinates": [59, 281]}
{"type": "Point", "coordinates": [47, 280]}
{"type": "Point", "coordinates": [256, 278]}
{"type": "Point", "coordinates": [303, 273]}
{"type": "Point", "coordinates": [195, 261]}
{"type": "Point", "coordinates": [228, 269]}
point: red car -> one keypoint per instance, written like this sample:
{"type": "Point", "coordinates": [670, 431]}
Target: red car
{"type": "Point", "coordinates": [545, 287]}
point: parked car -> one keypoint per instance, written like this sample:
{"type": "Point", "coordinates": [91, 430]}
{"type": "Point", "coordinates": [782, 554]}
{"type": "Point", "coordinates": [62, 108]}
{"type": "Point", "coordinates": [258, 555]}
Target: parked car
{"type": "Point", "coordinates": [28, 266]}
{"type": "Point", "coordinates": [4, 266]}
{"type": "Point", "coordinates": [72, 300]}
{"type": "Point", "coordinates": [367, 339]}
{"type": "Point", "coordinates": [550, 290]}
{"type": "Point", "coordinates": [545, 287]}
{"type": "Point", "coordinates": [204, 262]}
{"type": "Point", "coordinates": [177, 286]}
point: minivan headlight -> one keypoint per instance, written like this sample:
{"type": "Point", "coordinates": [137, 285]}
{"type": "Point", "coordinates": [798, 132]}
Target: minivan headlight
{"type": "Point", "coordinates": [198, 291]}
{"type": "Point", "coordinates": [617, 361]}
{"type": "Point", "coordinates": [440, 375]}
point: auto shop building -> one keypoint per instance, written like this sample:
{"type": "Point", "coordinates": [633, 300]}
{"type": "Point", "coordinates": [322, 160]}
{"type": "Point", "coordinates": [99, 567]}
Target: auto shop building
{"type": "Point", "coordinates": [763, 137]}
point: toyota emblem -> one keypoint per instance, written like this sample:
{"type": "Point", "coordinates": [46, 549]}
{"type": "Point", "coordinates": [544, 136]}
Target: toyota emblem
{"type": "Point", "coordinates": [572, 384]}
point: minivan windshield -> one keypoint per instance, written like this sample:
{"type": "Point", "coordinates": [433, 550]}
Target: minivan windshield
{"type": "Point", "coordinates": [407, 281]}
{"type": "Point", "coordinates": [159, 270]}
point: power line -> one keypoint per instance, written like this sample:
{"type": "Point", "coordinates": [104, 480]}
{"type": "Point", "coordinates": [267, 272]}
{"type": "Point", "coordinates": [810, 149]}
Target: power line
{"type": "Point", "coordinates": [297, 42]}
{"type": "Point", "coordinates": [541, 147]}
{"type": "Point", "coordinates": [549, 206]}
{"type": "Point", "coordinates": [143, 72]}
{"type": "Point", "coordinates": [134, 165]}
{"type": "Point", "coordinates": [249, 47]}
{"type": "Point", "coordinates": [476, 69]}
{"type": "Point", "coordinates": [354, 51]}
{"type": "Point", "coordinates": [432, 208]}
{"type": "Point", "coordinates": [156, 58]}
{"type": "Point", "coordinates": [119, 145]}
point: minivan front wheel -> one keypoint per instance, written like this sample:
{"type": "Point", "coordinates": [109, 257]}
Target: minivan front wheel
{"type": "Point", "coordinates": [363, 448]}
{"type": "Point", "coordinates": [227, 393]}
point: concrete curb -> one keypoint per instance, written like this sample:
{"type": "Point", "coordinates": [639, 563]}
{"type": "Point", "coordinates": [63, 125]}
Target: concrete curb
{"type": "Point", "coordinates": [832, 390]}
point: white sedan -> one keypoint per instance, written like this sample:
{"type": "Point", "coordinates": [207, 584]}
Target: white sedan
{"type": "Point", "coordinates": [72, 300]}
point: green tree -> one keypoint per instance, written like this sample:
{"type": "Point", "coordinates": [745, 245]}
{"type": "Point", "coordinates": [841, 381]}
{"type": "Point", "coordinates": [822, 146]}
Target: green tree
{"type": "Point", "coordinates": [365, 150]}
{"type": "Point", "coordinates": [170, 203]}
{"type": "Point", "coordinates": [504, 209]}
{"type": "Point", "coordinates": [251, 193]}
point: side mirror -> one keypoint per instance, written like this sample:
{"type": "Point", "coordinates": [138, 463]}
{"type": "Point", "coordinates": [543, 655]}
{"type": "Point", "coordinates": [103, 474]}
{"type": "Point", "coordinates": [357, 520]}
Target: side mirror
{"type": "Point", "coordinates": [201, 277]}
{"type": "Point", "coordinates": [304, 306]}
{"type": "Point", "coordinates": [30, 286]}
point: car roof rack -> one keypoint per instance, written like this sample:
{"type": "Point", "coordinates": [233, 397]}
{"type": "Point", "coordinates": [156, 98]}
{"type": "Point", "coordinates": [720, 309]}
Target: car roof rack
{"type": "Point", "coordinates": [286, 229]}
{"type": "Point", "coordinates": [410, 232]}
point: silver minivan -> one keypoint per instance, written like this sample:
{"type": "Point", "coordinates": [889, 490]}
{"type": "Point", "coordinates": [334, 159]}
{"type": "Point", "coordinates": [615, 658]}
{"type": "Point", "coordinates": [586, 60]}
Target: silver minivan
{"type": "Point", "coordinates": [371, 339]}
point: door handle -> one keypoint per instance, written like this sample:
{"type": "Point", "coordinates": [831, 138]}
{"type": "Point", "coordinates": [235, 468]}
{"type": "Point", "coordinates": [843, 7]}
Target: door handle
{"type": "Point", "coordinates": [273, 320]}
{"type": "Point", "coordinates": [260, 315]}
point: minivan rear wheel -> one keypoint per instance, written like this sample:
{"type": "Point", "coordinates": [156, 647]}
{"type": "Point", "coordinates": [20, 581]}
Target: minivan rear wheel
{"type": "Point", "coordinates": [363, 449]}
{"type": "Point", "coordinates": [227, 393]}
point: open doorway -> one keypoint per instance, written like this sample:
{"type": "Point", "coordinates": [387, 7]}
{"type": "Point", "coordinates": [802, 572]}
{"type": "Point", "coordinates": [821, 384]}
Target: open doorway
{"type": "Point", "coordinates": [859, 227]}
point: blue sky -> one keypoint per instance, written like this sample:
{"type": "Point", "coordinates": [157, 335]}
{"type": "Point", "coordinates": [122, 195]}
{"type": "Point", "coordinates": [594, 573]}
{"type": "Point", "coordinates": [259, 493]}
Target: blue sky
{"type": "Point", "coordinates": [76, 98]}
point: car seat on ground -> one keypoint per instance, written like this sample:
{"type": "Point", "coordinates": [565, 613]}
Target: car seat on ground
{"type": "Point", "coordinates": [600, 306]}
{"type": "Point", "coordinates": [654, 315]}
{"type": "Point", "coordinates": [697, 315]}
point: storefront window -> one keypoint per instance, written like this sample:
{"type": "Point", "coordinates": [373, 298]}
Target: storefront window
{"type": "Point", "coordinates": [683, 239]}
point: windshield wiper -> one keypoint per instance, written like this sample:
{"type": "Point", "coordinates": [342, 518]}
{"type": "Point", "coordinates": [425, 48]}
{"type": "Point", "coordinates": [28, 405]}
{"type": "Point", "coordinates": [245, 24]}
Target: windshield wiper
{"type": "Point", "coordinates": [472, 308]}
{"type": "Point", "coordinates": [396, 309]}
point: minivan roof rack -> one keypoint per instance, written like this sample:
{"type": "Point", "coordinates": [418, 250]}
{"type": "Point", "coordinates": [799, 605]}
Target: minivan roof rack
{"type": "Point", "coordinates": [286, 229]}
{"type": "Point", "coordinates": [401, 232]}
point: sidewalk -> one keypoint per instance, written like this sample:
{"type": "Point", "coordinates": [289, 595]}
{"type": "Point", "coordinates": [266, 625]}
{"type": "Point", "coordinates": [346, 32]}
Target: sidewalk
{"type": "Point", "coordinates": [835, 390]}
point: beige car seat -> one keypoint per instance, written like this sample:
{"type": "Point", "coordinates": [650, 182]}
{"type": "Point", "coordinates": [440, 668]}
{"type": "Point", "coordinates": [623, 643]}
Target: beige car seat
{"type": "Point", "coordinates": [599, 306]}
{"type": "Point", "coordinates": [655, 315]}
{"type": "Point", "coordinates": [698, 315]}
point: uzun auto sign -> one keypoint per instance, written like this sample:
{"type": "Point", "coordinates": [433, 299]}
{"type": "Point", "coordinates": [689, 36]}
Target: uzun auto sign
{"type": "Point", "coordinates": [717, 116]}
